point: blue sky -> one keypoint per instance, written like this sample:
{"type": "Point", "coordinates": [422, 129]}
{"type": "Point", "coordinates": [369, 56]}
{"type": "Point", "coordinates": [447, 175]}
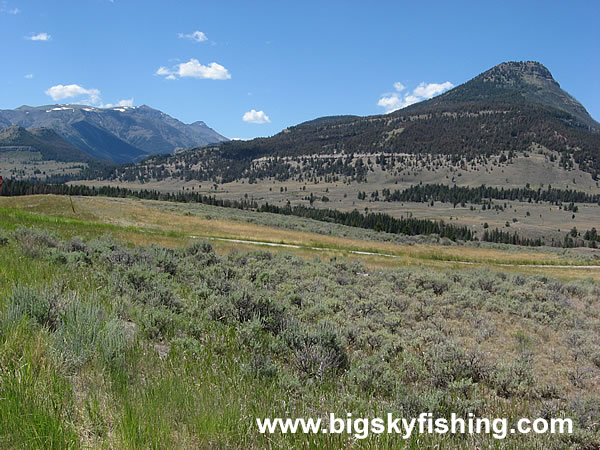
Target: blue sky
{"type": "Point", "coordinates": [253, 68]}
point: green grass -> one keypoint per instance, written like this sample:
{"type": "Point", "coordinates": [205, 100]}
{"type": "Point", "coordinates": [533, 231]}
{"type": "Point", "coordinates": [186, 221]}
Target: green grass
{"type": "Point", "coordinates": [106, 344]}
{"type": "Point", "coordinates": [11, 219]}
{"type": "Point", "coordinates": [36, 397]}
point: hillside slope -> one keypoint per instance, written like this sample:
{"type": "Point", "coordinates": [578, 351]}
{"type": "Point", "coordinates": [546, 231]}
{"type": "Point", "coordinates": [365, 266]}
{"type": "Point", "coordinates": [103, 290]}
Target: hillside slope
{"type": "Point", "coordinates": [43, 140]}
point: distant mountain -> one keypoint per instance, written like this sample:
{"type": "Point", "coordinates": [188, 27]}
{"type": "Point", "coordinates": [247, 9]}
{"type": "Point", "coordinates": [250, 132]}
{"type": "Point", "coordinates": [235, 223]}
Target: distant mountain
{"type": "Point", "coordinates": [103, 144]}
{"type": "Point", "coordinates": [120, 134]}
{"type": "Point", "coordinates": [43, 140]}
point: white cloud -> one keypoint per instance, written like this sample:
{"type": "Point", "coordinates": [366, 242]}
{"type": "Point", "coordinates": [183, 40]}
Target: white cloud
{"type": "Point", "coordinates": [399, 86]}
{"type": "Point", "coordinates": [39, 37]}
{"type": "Point", "coordinates": [82, 95]}
{"type": "Point", "coordinates": [254, 116]}
{"type": "Point", "coordinates": [424, 91]}
{"type": "Point", "coordinates": [163, 71]}
{"type": "Point", "coordinates": [196, 36]}
{"type": "Point", "coordinates": [61, 92]}
{"type": "Point", "coordinates": [124, 102]}
{"type": "Point", "coordinates": [193, 69]}
{"type": "Point", "coordinates": [29, 76]}
{"type": "Point", "coordinates": [429, 90]}
{"type": "Point", "coordinates": [391, 102]}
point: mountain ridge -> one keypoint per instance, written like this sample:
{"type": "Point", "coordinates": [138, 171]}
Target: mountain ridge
{"type": "Point", "coordinates": [134, 132]}
{"type": "Point", "coordinates": [513, 107]}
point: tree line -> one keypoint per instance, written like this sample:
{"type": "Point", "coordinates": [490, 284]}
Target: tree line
{"type": "Point", "coordinates": [425, 193]}
{"type": "Point", "coordinates": [505, 237]}
{"type": "Point", "coordinates": [375, 221]}
{"type": "Point", "coordinates": [14, 188]}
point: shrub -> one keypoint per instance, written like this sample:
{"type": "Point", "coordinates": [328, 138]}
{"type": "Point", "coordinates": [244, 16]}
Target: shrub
{"type": "Point", "coordinates": [446, 363]}
{"type": "Point", "coordinates": [86, 331]}
{"type": "Point", "coordinates": [139, 277]}
{"type": "Point", "coordinates": [244, 305]}
{"type": "Point", "coordinates": [375, 377]}
{"type": "Point", "coordinates": [187, 347]}
{"type": "Point", "coordinates": [586, 410]}
{"type": "Point", "coordinates": [4, 238]}
{"type": "Point", "coordinates": [166, 260]}
{"type": "Point", "coordinates": [76, 244]}
{"type": "Point", "coordinates": [156, 323]}
{"type": "Point", "coordinates": [595, 358]}
{"type": "Point", "coordinates": [438, 286]}
{"type": "Point", "coordinates": [57, 256]}
{"type": "Point", "coordinates": [515, 378]}
{"type": "Point", "coordinates": [518, 280]}
{"type": "Point", "coordinates": [37, 305]}
{"type": "Point", "coordinates": [78, 257]}
{"type": "Point", "coordinates": [33, 240]}
{"type": "Point", "coordinates": [314, 360]}
{"type": "Point", "coordinates": [163, 295]}
{"type": "Point", "coordinates": [201, 253]}
{"type": "Point", "coordinates": [575, 289]}
{"type": "Point", "coordinates": [150, 287]}
{"type": "Point", "coordinates": [320, 353]}
{"type": "Point", "coordinates": [487, 285]}
{"type": "Point", "coordinates": [115, 255]}
{"type": "Point", "coordinates": [261, 366]}
{"type": "Point", "coordinates": [412, 403]}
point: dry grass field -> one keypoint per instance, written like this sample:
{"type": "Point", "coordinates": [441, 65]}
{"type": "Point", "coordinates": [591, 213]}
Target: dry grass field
{"type": "Point", "coordinates": [165, 223]}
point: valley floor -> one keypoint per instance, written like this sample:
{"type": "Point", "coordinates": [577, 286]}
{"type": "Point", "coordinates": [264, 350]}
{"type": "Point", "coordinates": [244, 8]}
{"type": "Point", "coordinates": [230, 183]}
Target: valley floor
{"type": "Point", "coordinates": [529, 220]}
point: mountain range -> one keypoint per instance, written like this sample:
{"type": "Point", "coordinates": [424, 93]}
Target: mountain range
{"type": "Point", "coordinates": [120, 134]}
{"type": "Point", "coordinates": [513, 107]}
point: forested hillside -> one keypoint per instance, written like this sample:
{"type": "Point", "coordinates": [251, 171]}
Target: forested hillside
{"type": "Point", "coordinates": [510, 109]}
{"type": "Point", "coordinates": [43, 140]}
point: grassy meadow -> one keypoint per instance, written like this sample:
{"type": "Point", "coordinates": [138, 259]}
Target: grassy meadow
{"type": "Point", "coordinates": [125, 324]}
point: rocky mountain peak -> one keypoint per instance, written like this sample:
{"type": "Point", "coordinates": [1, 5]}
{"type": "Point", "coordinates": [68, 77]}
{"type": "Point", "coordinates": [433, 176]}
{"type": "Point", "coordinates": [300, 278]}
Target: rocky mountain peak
{"type": "Point", "coordinates": [516, 72]}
